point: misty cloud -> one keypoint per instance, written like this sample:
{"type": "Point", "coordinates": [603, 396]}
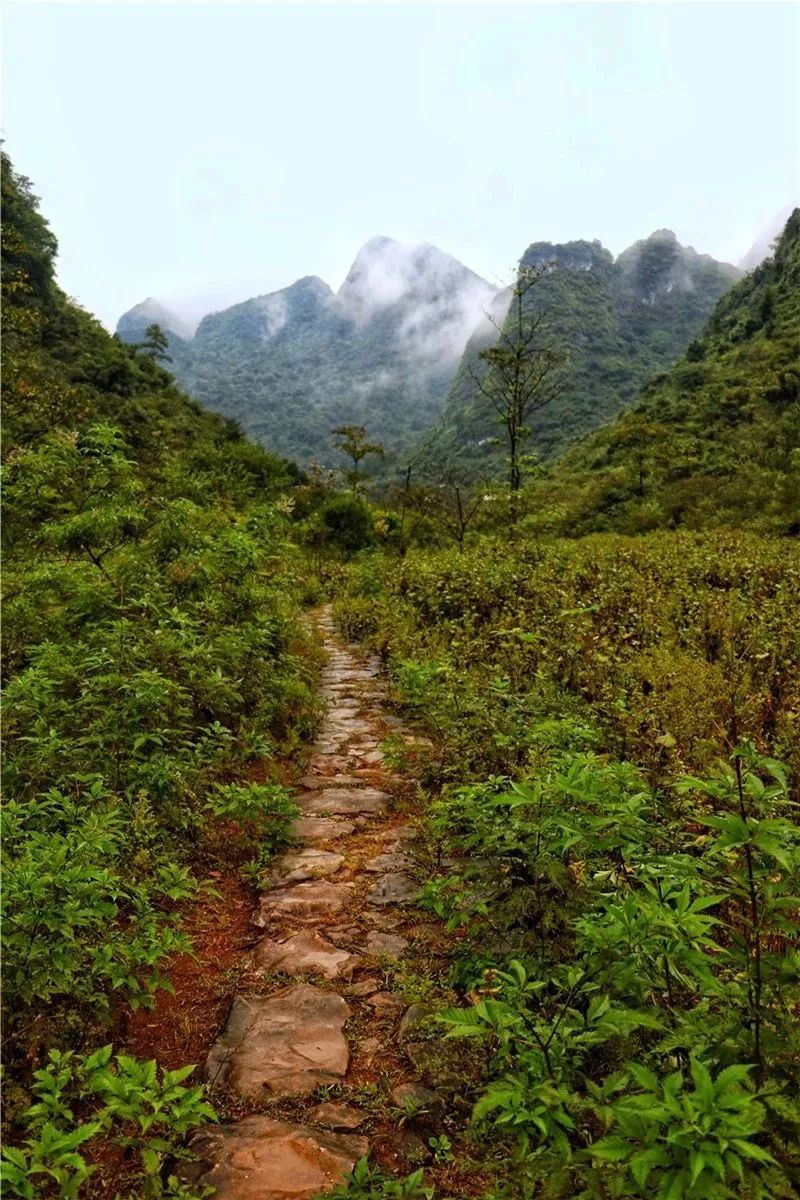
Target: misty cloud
{"type": "Point", "coordinates": [275, 310]}
{"type": "Point", "coordinates": [437, 302]}
{"type": "Point", "coordinates": [762, 245]}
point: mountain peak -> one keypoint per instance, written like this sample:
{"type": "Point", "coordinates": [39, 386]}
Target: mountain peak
{"type": "Point", "coordinates": [662, 235]}
{"type": "Point", "coordinates": [386, 272]}
{"type": "Point", "coordinates": [378, 242]}
{"type": "Point", "coordinates": [310, 285]}
{"type": "Point", "coordinates": [133, 324]}
{"type": "Point", "coordinates": [570, 256]}
{"type": "Point", "coordinates": [659, 265]}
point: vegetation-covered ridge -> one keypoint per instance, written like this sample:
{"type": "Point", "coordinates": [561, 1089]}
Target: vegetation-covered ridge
{"type": "Point", "coordinates": [713, 441]}
{"type": "Point", "coordinates": [619, 322]}
{"type": "Point", "coordinates": [154, 669]}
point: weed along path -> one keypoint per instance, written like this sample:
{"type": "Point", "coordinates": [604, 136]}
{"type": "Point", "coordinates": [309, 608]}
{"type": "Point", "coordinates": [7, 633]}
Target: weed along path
{"type": "Point", "coordinates": [314, 1029]}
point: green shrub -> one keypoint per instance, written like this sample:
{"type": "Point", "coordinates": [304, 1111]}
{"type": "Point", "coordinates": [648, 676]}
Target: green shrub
{"type": "Point", "coordinates": [118, 1098]}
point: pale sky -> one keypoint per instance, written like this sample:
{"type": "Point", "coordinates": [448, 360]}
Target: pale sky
{"type": "Point", "coordinates": [204, 153]}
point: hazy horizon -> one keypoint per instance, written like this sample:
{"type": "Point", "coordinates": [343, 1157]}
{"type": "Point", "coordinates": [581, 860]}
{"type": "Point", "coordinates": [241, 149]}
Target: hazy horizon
{"type": "Point", "coordinates": [204, 154]}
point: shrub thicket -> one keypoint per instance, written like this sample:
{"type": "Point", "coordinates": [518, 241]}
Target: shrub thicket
{"type": "Point", "coordinates": [152, 654]}
{"type": "Point", "coordinates": [608, 719]}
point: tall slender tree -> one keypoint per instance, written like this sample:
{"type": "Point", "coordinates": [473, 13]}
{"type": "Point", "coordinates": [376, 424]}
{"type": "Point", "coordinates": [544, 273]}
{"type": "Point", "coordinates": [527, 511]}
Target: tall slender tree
{"type": "Point", "coordinates": [352, 441]}
{"type": "Point", "coordinates": [523, 371]}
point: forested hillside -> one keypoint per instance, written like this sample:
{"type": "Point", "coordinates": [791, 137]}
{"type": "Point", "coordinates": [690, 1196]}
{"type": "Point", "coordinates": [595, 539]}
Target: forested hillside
{"type": "Point", "coordinates": [715, 440]}
{"type": "Point", "coordinates": [292, 365]}
{"type": "Point", "coordinates": [618, 321]}
{"type": "Point", "coordinates": [152, 658]}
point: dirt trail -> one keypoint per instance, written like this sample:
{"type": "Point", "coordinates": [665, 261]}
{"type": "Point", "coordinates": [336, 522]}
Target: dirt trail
{"type": "Point", "coordinates": [314, 1011]}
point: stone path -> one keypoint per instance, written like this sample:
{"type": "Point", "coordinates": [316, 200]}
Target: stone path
{"type": "Point", "coordinates": [334, 910]}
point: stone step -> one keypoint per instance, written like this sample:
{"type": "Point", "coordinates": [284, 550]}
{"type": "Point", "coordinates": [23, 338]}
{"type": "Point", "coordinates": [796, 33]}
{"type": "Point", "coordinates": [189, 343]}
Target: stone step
{"type": "Point", "coordinates": [297, 866]}
{"type": "Point", "coordinates": [344, 801]}
{"type": "Point", "coordinates": [320, 829]}
{"type": "Point", "coordinates": [287, 1044]}
{"type": "Point", "coordinates": [303, 902]}
{"type": "Point", "coordinates": [313, 783]}
{"type": "Point", "coordinates": [306, 953]}
{"type": "Point", "coordinates": [261, 1159]}
{"type": "Point", "coordinates": [393, 888]}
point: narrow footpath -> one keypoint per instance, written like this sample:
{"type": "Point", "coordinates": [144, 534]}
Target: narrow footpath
{"type": "Point", "coordinates": [314, 1012]}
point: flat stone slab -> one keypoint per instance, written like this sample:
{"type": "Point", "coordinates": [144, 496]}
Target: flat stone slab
{"type": "Point", "coordinates": [390, 945]}
{"type": "Point", "coordinates": [383, 920]}
{"type": "Point", "coordinates": [393, 889]}
{"type": "Point", "coordinates": [286, 1044]}
{"type": "Point", "coordinates": [343, 722]}
{"type": "Point", "coordinates": [332, 747]}
{"type": "Point", "coordinates": [338, 1116]}
{"type": "Point", "coordinates": [323, 762]}
{"type": "Point", "coordinates": [413, 1018]}
{"type": "Point", "coordinates": [299, 865]}
{"type": "Point", "coordinates": [304, 953]}
{"type": "Point", "coordinates": [386, 1004]}
{"type": "Point", "coordinates": [415, 1096]}
{"type": "Point", "coordinates": [363, 745]}
{"type": "Point", "coordinates": [364, 987]}
{"type": "Point", "coordinates": [320, 829]}
{"type": "Point", "coordinates": [344, 801]}
{"type": "Point", "coordinates": [303, 902]}
{"type": "Point", "coordinates": [261, 1159]}
{"type": "Point", "coordinates": [407, 833]}
{"type": "Point", "coordinates": [390, 860]}
{"type": "Point", "coordinates": [315, 782]}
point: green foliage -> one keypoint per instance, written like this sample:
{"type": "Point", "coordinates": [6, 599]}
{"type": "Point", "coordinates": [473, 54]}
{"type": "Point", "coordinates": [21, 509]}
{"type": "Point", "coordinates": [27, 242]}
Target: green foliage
{"type": "Point", "coordinates": [155, 343]}
{"type": "Point", "coordinates": [167, 648]}
{"type": "Point", "coordinates": [117, 1097]}
{"type": "Point", "coordinates": [268, 807]}
{"type": "Point", "coordinates": [691, 1143]}
{"type": "Point", "coordinates": [347, 524]}
{"type": "Point", "coordinates": [681, 952]}
{"type": "Point", "coordinates": [370, 1183]}
{"type": "Point", "coordinates": [264, 812]}
{"type": "Point", "coordinates": [442, 1148]}
{"type": "Point", "coordinates": [523, 371]}
{"type": "Point", "coordinates": [351, 441]}
{"type": "Point", "coordinates": [526, 846]}
{"type": "Point", "coordinates": [649, 644]}
{"type": "Point", "coordinates": [620, 838]}
{"type": "Point", "coordinates": [341, 524]}
{"type": "Point", "coordinates": [76, 923]}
